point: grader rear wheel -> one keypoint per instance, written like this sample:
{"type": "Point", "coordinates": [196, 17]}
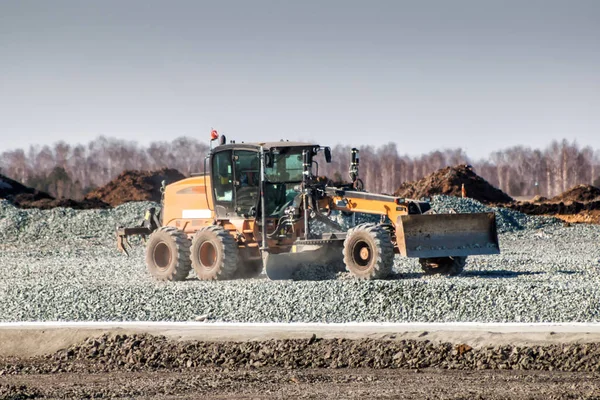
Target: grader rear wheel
{"type": "Point", "coordinates": [369, 252]}
{"type": "Point", "coordinates": [450, 266]}
{"type": "Point", "coordinates": [168, 254]}
{"type": "Point", "coordinates": [214, 254]}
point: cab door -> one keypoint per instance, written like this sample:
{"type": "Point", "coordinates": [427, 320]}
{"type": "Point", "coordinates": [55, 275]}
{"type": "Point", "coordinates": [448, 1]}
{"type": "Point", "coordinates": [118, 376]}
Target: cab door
{"type": "Point", "coordinates": [223, 184]}
{"type": "Point", "coordinates": [236, 177]}
{"type": "Point", "coordinates": [246, 183]}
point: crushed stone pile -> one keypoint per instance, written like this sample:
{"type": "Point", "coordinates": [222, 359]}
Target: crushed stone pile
{"type": "Point", "coordinates": [449, 181]}
{"type": "Point", "coordinates": [57, 225]}
{"type": "Point", "coordinates": [507, 219]}
{"type": "Point", "coordinates": [145, 352]}
{"type": "Point", "coordinates": [579, 193]}
{"type": "Point", "coordinates": [25, 197]}
{"type": "Point", "coordinates": [135, 186]}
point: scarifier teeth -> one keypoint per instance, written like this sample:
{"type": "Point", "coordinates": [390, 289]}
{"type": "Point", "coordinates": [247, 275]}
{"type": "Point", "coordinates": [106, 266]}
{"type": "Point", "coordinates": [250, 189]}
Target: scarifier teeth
{"type": "Point", "coordinates": [122, 244]}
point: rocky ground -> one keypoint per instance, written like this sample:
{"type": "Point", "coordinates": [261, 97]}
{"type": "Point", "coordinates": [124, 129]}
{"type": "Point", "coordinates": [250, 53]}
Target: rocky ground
{"type": "Point", "coordinates": [62, 265]}
{"type": "Point", "coordinates": [143, 366]}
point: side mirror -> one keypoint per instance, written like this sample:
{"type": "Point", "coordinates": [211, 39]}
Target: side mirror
{"type": "Point", "coordinates": [268, 160]}
{"type": "Point", "coordinates": [327, 155]}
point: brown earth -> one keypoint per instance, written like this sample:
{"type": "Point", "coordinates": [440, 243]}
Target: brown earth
{"type": "Point", "coordinates": [449, 181]}
{"type": "Point", "coordinates": [144, 366]}
{"type": "Point", "coordinates": [25, 197]}
{"type": "Point", "coordinates": [135, 186]}
{"type": "Point", "coordinates": [580, 204]}
{"type": "Point", "coordinates": [583, 217]}
{"type": "Point", "coordinates": [554, 208]}
{"type": "Point", "coordinates": [323, 383]}
{"type": "Point", "coordinates": [579, 193]}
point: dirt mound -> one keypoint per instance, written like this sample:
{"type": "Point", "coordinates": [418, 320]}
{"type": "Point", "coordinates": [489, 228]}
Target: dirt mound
{"type": "Point", "coordinates": [135, 186]}
{"type": "Point", "coordinates": [539, 199]}
{"type": "Point", "coordinates": [25, 197]}
{"type": "Point", "coordinates": [30, 201]}
{"type": "Point", "coordinates": [449, 181]}
{"type": "Point", "coordinates": [555, 208]}
{"type": "Point", "coordinates": [10, 188]}
{"type": "Point", "coordinates": [580, 193]}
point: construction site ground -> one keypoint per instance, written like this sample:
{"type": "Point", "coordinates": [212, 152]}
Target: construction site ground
{"type": "Point", "coordinates": [39, 375]}
{"type": "Point", "coordinates": [61, 265]}
{"type": "Point", "coordinates": [361, 383]}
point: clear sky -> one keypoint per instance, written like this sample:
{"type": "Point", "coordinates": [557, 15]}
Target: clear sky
{"type": "Point", "coordinates": [480, 74]}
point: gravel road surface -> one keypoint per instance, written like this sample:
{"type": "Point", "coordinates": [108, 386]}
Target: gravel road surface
{"type": "Point", "coordinates": [62, 265]}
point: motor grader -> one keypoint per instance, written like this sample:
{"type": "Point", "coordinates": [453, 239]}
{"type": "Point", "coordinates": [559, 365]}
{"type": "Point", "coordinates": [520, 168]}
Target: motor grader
{"type": "Point", "coordinates": [261, 206]}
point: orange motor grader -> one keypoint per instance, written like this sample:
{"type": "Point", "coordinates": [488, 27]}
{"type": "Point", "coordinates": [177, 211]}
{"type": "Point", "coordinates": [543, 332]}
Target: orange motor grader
{"type": "Point", "coordinates": [259, 206]}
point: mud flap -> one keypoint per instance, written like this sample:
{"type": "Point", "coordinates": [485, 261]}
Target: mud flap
{"type": "Point", "coordinates": [447, 235]}
{"type": "Point", "coordinates": [284, 266]}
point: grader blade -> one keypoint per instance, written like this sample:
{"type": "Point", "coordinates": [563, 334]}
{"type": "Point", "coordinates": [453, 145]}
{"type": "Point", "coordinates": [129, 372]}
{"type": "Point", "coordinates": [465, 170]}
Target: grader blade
{"type": "Point", "coordinates": [447, 235]}
{"type": "Point", "coordinates": [281, 266]}
{"type": "Point", "coordinates": [285, 266]}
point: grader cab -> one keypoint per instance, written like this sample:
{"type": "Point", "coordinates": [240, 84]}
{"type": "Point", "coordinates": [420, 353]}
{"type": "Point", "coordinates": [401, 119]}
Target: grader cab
{"type": "Point", "coordinates": [260, 206]}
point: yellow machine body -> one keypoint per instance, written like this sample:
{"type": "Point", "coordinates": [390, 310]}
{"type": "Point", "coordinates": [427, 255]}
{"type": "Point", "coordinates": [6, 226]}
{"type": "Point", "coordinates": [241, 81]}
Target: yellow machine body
{"type": "Point", "coordinates": [189, 206]}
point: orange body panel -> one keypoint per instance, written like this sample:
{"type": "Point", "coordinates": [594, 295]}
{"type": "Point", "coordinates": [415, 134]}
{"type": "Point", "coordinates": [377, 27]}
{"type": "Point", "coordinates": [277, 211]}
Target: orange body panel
{"type": "Point", "coordinates": [188, 204]}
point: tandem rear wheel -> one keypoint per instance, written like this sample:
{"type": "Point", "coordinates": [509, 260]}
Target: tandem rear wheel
{"type": "Point", "coordinates": [214, 254]}
{"type": "Point", "coordinates": [168, 254]}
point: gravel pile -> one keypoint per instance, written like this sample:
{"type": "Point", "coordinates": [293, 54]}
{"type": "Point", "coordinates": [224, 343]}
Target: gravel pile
{"type": "Point", "coordinates": [142, 352]}
{"type": "Point", "coordinates": [46, 227]}
{"type": "Point", "coordinates": [63, 265]}
{"type": "Point", "coordinates": [506, 219]}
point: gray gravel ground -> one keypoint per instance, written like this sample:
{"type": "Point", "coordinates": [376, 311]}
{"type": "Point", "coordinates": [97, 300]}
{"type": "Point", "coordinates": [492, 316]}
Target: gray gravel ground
{"type": "Point", "coordinates": [63, 265]}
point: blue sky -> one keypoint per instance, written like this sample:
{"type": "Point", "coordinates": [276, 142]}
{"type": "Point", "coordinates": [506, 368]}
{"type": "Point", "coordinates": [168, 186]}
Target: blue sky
{"type": "Point", "coordinates": [481, 75]}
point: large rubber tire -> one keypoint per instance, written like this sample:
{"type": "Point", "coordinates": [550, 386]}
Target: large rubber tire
{"type": "Point", "coordinates": [168, 254]}
{"type": "Point", "coordinates": [369, 252]}
{"type": "Point", "coordinates": [451, 266]}
{"type": "Point", "coordinates": [214, 254]}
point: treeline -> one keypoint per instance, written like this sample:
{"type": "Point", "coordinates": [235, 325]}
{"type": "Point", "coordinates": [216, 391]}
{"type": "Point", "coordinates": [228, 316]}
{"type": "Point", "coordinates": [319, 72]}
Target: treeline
{"type": "Point", "coordinates": [71, 171]}
{"type": "Point", "coordinates": [518, 171]}
{"type": "Point", "coordinates": [65, 170]}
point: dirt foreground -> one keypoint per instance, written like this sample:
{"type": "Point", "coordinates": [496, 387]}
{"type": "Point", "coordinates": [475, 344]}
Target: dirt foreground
{"type": "Point", "coordinates": [363, 383]}
{"type": "Point", "coordinates": [562, 364]}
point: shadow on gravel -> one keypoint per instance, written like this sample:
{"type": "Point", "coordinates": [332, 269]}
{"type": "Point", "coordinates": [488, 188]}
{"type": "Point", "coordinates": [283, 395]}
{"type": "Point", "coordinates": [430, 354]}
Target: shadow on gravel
{"type": "Point", "coordinates": [562, 271]}
{"type": "Point", "coordinates": [405, 275]}
{"type": "Point", "coordinates": [501, 273]}
{"type": "Point", "coordinates": [320, 273]}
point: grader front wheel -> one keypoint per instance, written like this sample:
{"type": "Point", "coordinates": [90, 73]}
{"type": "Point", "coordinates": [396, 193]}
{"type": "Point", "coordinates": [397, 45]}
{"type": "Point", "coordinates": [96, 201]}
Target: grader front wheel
{"type": "Point", "coordinates": [168, 254]}
{"type": "Point", "coordinates": [450, 266]}
{"type": "Point", "coordinates": [214, 254]}
{"type": "Point", "coordinates": [369, 252]}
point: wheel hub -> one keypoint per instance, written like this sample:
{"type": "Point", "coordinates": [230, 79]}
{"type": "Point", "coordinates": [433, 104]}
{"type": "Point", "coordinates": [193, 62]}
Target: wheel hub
{"type": "Point", "coordinates": [208, 255]}
{"type": "Point", "coordinates": [162, 255]}
{"type": "Point", "coordinates": [362, 254]}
